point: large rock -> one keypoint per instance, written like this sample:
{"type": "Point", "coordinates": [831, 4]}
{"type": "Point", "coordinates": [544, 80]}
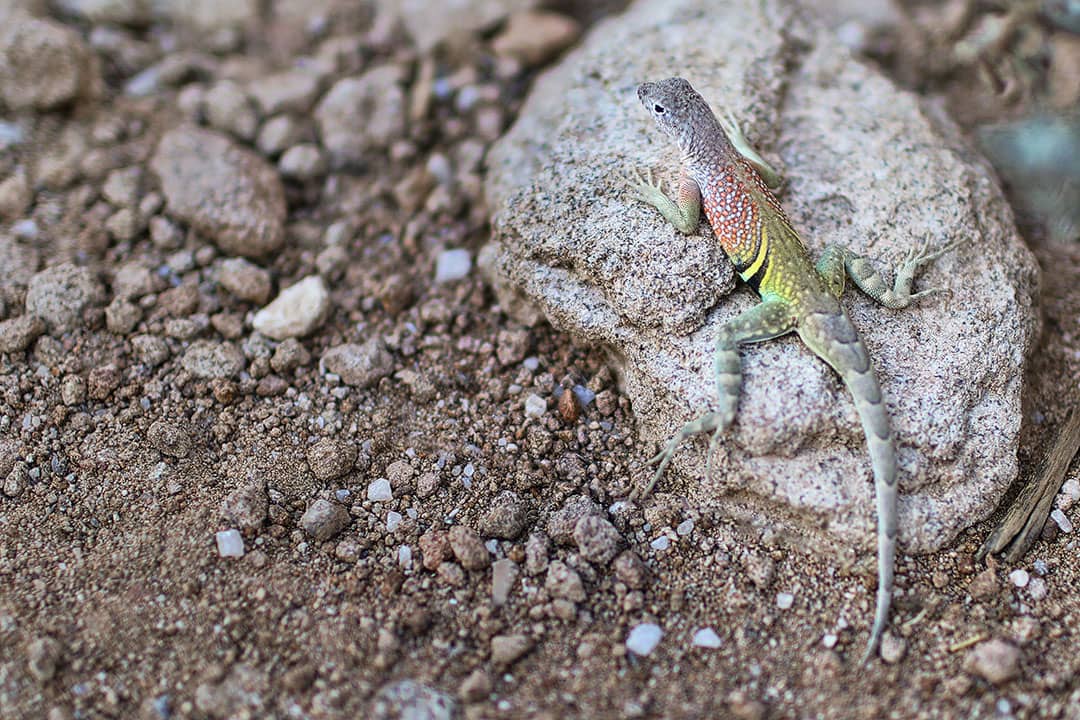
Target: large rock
{"type": "Point", "coordinates": [226, 192]}
{"type": "Point", "coordinates": [867, 167]}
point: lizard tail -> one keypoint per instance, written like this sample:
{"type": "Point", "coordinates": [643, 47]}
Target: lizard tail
{"type": "Point", "coordinates": [833, 338]}
{"type": "Point", "coordinates": [875, 421]}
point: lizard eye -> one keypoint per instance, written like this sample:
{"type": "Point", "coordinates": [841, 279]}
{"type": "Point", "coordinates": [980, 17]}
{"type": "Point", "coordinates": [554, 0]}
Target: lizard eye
{"type": "Point", "coordinates": [658, 109]}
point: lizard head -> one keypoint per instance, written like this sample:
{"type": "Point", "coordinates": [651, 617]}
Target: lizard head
{"type": "Point", "coordinates": [680, 112]}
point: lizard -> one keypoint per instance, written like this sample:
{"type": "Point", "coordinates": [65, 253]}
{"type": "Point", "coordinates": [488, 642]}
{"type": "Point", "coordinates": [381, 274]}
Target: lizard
{"type": "Point", "coordinates": [724, 176]}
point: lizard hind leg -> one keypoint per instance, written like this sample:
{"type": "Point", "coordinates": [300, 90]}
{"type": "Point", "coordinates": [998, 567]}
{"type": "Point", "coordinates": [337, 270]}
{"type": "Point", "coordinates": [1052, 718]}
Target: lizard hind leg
{"type": "Point", "coordinates": [767, 320]}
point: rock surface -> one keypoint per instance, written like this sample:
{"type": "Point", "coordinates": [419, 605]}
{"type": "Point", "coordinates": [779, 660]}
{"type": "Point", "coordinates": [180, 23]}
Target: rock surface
{"type": "Point", "coordinates": [224, 191]}
{"type": "Point", "coordinates": [881, 176]}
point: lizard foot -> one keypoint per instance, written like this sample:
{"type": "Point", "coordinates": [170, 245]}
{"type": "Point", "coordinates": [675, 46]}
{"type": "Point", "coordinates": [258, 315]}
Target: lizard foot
{"type": "Point", "coordinates": [915, 259]}
{"type": "Point", "coordinates": [709, 422]}
{"type": "Point", "coordinates": [644, 188]}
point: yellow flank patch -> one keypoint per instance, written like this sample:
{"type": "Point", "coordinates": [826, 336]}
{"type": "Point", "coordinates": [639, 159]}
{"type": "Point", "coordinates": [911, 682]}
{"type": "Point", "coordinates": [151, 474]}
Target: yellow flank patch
{"type": "Point", "coordinates": [763, 250]}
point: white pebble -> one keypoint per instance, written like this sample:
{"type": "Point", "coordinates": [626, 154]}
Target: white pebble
{"type": "Point", "coordinates": [503, 574]}
{"type": "Point", "coordinates": [1070, 493]}
{"type": "Point", "coordinates": [535, 406]}
{"type": "Point", "coordinates": [229, 543]}
{"type": "Point", "coordinates": [661, 543]}
{"type": "Point", "coordinates": [644, 638]}
{"type": "Point", "coordinates": [829, 640]}
{"type": "Point", "coordinates": [784, 600]}
{"type": "Point", "coordinates": [1019, 577]}
{"type": "Point", "coordinates": [685, 528]}
{"type": "Point", "coordinates": [1037, 588]}
{"type": "Point", "coordinates": [706, 638]}
{"type": "Point", "coordinates": [452, 265]}
{"type": "Point", "coordinates": [393, 521]}
{"type": "Point", "coordinates": [404, 557]}
{"type": "Point", "coordinates": [1062, 521]}
{"type": "Point", "coordinates": [532, 364]}
{"type": "Point", "coordinates": [379, 490]}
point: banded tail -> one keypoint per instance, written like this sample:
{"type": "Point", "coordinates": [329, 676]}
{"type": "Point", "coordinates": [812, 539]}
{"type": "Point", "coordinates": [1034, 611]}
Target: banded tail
{"type": "Point", "coordinates": [833, 338]}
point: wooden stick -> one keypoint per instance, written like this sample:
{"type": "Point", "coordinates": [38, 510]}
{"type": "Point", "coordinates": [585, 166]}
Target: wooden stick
{"type": "Point", "coordinates": [1024, 521]}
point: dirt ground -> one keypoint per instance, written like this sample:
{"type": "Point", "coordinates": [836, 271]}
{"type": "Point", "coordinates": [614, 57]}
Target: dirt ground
{"type": "Point", "coordinates": [451, 568]}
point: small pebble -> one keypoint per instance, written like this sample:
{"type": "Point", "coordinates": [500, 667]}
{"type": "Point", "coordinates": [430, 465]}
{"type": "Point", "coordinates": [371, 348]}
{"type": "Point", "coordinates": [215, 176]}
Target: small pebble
{"type": "Point", "coordinates": [784, 600]}
{"type": "Point", "coordinates": [452, 265]}
{"type": "Point", "coordinates": [597, 539]}
{"type": "Point", "coordinates": [507, 649]}
{"type": "Point", "coordinates": [324, 519]}
{"type": "Point", "coordinates": [297, 311]}
{"type": "Point", "coordinates": [829, 640]}
{"type": "Point", "coordinates": [563, 581]}
{"type": "Point", "coordinates": [893, 648]}
{"type": "Point", "coordinates": [644, 638]}
{"type": "Point", "coordinates": [405, 557]}
{"type": "Point", "coordinates": [661, 543]}
{"type": "Point", "coordinates": [503, 574]}
{"type": "Point", "coordinates": [1069, 495]}
{"type": "Point", "coordinates": [468, 548]}
{"type": "Point", "coordinates": [379, 490]}
{"type": "Point", "coordinates": [535, 406]}
{"type": "Point", "coordinates": [507, 515]}
{"type": "Point", "coordinates": [1019, 577]}
{"type": "Point", "coordinates": [230, 543]}
{"type": "Point", "coordinates": [1037, 588]}
{"type": "Point", "coordinates": [1062, 521]}
{"type": "Point", "coordinates": [996, 661]}
{"type": "Point", "coordinates": [685, 528]}
{"type": "Point", "coordinates": [393, 521]}
{"type": "Point", "coordinates": [706, 638]}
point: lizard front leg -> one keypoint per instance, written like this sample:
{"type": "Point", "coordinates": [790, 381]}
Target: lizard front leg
{"type": "Point", "coordinates": [684, 212]}
{"type": "Point", "coordinates": [735, 136]}
{"type": "Point", "coordinates": [838, 261]}
{"type": "Point", "coordinates": [765, 321]}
